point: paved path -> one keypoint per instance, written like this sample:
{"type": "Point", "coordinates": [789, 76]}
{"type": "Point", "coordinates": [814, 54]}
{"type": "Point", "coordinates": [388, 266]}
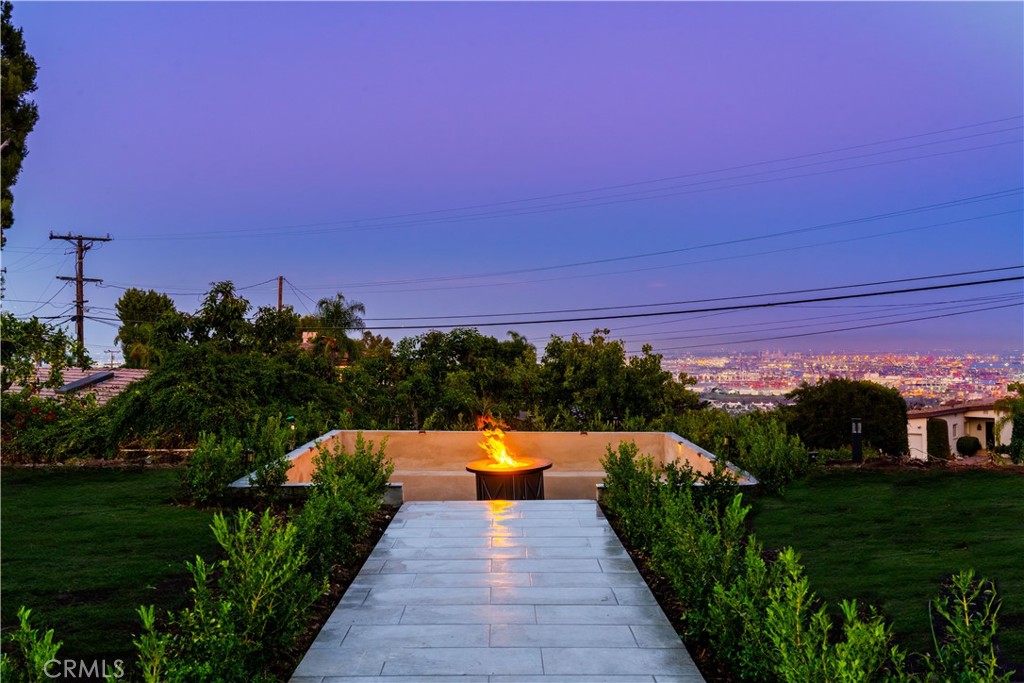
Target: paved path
{"type": "Point", "coordinates": [500, 592]}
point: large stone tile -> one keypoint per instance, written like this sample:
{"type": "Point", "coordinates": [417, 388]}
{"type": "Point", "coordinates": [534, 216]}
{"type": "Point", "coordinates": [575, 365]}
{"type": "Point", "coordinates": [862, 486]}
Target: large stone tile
{"type": "Point", "coordinates": [469, 614]}
{"type": "Point", "coordinates": [435, 566]}
{"type": "Point", "coordinates": [655, 635]}
{"type": "Point", "coordinates": [556, 635]}
{"type": "Point", "coordinates": [599, 595]}
{"type": "Point", "coordinates": [491, 580]}
{"type": "Point", "coordinates": [428, 596]}
{"type": "Point", "coordinates": [463, 660]}
{"type": "Point", "coordinates": [600, 614]}
{"type": "Point", "coordinates": [617, 564]}
{"type": "Point", "coordinates": [569, 678]}
{"type": "Point", "coordinates": [570, 553]}
{"type": "Point", "coordinates": [383, 581]}
{"type": "Point", "coordinates": [635, 595]}
{"type": "Point", "coordinates": [543, 579]}
{"type": "Point", "coordinates": [605, 661]}
{"type": "Point", "coordinates": [404, 679]}
{"type": "Point", "coordinates": [417, 635]}
{"type": "Point", "coordinates": [342, 616]}
{"type": "Point", "coordinates": [459, 532]}
{"type": "Point", "coordinates": [541, 542]}
{"type": "Point", "coordinates": [329, 661]}
{"type": "Point", "coordinates": [587, 565]}
{"type": "Point", "coordinates": [435, 542]}
{"type": "Point", "coordinates": [452, 553]}
{"type": "Point", "coordinates": [599, 531]}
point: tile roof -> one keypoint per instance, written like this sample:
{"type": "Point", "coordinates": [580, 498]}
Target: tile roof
{"type": "Point", "coordinates": [103, 390]}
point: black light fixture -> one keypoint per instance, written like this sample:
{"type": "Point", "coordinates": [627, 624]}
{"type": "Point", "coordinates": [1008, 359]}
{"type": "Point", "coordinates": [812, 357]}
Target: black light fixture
{"type": "Point", "coordinates": [858, 454]}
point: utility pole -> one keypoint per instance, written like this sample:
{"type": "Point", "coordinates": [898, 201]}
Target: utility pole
{"type": "Point", "coordinates": [280, 292]}
{"type": "Point", "coordinates": [82, 245]}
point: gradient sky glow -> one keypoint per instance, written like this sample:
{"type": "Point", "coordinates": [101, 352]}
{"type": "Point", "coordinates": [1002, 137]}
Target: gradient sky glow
{"type": "Point", "coordinates": [242, 141]}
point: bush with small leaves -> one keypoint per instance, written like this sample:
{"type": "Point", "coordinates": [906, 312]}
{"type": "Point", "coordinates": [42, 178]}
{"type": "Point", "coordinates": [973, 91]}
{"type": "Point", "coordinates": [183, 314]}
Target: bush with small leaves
{"type": "Point", "coordinates": [215, 463]}
{"type": "Point", "coordinates": [29, 653]}
{"type": "Point", "coordinates": [968, 445]}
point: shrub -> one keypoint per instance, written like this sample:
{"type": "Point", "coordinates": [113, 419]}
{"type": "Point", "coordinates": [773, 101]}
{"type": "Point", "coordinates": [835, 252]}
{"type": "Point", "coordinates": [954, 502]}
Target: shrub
{"type": "Point", "coordinates": [736, 616]}
{"type": "Point", "coordinates": [27, 659]}
{"type": "Point", "coordinates": [632, 490]}
{"type": "Point", "coordinates": [768, 452]}
{"type": "Point", "coordinates": [938, 438]}
{"type": "Point", "coordinates": [246, 609]}
{"type": "Point", "coordinates": [697, 548]}
{"type": "Point", "coordinates": [215, 463]}
{"type": "Point", "coordinates": [968, 445]}
{"type": "Point", "coordinates": [964, 630]}
{"type": "Point", "coordinates": [346, 492]}
{"type": "Point", "coordinates": [268, 440]}
{"type": "Point", "coordinates": [798, 628]}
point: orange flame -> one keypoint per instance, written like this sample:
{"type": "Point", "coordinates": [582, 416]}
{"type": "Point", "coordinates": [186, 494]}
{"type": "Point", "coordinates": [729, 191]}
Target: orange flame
{"type": "Point", "coordinates": [494, 442]}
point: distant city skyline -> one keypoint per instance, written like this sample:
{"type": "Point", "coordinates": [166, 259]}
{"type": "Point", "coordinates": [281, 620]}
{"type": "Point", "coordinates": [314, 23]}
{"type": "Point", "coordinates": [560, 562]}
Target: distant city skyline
{"type": "Point", "coordinates": [470, 159]}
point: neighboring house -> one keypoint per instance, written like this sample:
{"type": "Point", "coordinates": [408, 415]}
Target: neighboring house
{"type": "Point", "coordinates": [103, 383]}
{"type": "Point", "coordinates": [979, 419]}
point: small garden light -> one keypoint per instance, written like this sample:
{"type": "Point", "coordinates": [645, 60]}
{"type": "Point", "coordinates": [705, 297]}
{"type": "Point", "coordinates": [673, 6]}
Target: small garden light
{"type": "Point", "coordinates": [858, 455]}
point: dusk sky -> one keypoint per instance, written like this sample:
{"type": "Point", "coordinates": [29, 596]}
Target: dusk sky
{"type": "Point", "coordinates": [472, 159]}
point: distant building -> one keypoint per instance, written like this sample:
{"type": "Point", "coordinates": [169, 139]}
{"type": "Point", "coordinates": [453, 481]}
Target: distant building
{"type": "Point", "coordinates": [103, 383]}
{"type": "Point", "coordinates": [979, 419]}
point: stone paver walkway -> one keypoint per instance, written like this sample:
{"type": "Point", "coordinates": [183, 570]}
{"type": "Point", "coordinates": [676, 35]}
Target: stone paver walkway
{"type": "Point", "coordinates": [498, 592]}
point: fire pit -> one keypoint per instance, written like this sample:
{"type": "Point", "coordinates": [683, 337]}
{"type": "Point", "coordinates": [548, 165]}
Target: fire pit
{"type": "Point", "coordinates": [500, 482]}
{"type": "Point", "coordinates": [501, 475]}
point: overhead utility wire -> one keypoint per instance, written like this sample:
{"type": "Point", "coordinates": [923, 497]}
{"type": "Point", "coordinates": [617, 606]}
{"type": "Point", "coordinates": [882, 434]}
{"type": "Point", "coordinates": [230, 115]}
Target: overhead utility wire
{"type": "Point", "coordinates": [768, 304]}
{"type": "Point", "coordinates": [924, 308]}
{"type": "Point", "coordinates": [297, 229]}
{"type": "Point", "coordinates": [709, 300]}
{"type": "Point", "coordinates": [840, 329]}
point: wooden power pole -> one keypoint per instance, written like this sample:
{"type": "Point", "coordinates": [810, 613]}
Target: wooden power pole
{"type": "Point", "coordinates": [280, 292]}
{"type": "Point", "coordinates": [82, 245]}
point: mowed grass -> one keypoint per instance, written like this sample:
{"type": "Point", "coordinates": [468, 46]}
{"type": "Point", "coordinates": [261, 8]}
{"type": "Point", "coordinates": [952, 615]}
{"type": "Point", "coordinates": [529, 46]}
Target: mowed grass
{"type": "Point", "coordinates": [889, 538]}
{"type": "Point", "coordinates": [83, 548]}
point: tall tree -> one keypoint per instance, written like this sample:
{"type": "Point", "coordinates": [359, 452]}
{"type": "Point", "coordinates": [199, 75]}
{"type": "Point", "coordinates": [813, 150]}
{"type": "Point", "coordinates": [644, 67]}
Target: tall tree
{"type": "Point", "coordinates": [18, 114]}
{"type": "Point", "coordinates": [140, 334]}
{"type": "Point", "coordinates": [821, 414]}
{"type": "Point", "coordinates": [28, 344]}
{"type": "Point", "coordinates": [335, 317]}
{"type": "Point", "coordinates": [221, 318]}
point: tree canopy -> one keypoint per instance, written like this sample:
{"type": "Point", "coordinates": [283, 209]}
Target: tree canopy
{"type": "Point", "coordinates": [18, 113]}
{"type": "Point", "coordinates": [822, 413]}
{"type": "Point", "coordinates": [26, 344]}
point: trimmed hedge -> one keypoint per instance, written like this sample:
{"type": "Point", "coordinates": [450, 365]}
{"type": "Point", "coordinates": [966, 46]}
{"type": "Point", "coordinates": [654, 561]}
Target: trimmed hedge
{"type": "Point", "coordinates": [968, 445]}
{"type": "Point", "coordinates": [938, 439]}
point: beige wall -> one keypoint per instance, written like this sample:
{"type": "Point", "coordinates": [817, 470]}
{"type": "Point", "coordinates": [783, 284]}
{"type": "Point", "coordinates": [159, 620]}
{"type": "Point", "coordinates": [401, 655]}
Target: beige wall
{"type": "Point", "coordinates": [957, 424]}
{"type": "Point", "coordinates": [432, 465]}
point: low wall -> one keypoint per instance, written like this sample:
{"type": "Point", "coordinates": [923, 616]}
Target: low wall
{"type": "Point", "coordinates": [432, 465]}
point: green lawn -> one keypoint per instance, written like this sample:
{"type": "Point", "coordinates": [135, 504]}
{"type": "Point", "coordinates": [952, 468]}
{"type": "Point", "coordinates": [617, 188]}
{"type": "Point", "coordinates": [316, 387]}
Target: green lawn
{"type": "Point", "coordinates": [889, 538]}
{"type": "Point", "coordinates": [84, 547]}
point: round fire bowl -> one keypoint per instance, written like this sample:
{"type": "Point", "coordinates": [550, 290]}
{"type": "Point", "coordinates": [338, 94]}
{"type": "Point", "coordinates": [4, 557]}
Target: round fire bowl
{"type": "Point", "coordinates": [498, 482]}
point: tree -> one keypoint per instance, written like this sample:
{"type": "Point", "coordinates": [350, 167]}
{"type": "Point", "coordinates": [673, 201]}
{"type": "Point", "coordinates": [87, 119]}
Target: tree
{"type": "Point", "coordinates": [27, 344]}
{"type": "Point", "coordinates": [18, 114]}
{"type": "Point", "coordinates": [822, 414]}
{"type": "Point", "coordinates": [274, 329]}
{"type": "Point", "coordinates": [334, 318]}
{"type": "Point", "coordinates": [144, 341]}
{"type": "Point", "coordinates": [221, 318]}
{"type": "Point", "coordinates": [1014, 407]}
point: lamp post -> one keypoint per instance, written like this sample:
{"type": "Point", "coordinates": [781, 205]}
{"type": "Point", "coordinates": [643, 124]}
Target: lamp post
{"type": "Point", "coordinates": [858, 455]}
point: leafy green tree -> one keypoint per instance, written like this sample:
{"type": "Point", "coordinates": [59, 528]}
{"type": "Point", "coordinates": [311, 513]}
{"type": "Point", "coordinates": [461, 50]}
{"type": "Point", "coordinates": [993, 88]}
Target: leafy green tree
{"type": "Point", "coordinates": [147, 318]}
{"type": "Point", "coordinates": [822, 413]}
{"type": "Point", "coordinates": [1014, 407]}
{"type": "Point", "coordinates": [28, 344]}
{"type": "Point", "coordinates": [18, 114]}
{"type": "Point", "coordinates": [273, 330]}
{"type": "Point", "coordinates": [222, 318]}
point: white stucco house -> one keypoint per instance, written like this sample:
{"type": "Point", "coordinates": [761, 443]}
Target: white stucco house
{"type": "Point", "coordinates": [979, 419]}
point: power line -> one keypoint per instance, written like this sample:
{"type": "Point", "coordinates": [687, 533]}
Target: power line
{"type": "Point", "coordinates": [787, 292]}
{"type": "Point", "coordinates": [735, 307]}
{"type": "Point", "coordinates": [840, 329]}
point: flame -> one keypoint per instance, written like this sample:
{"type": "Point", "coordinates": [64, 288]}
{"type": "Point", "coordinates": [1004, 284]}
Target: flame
{"type": "Point", "coordinates": [494, 442]}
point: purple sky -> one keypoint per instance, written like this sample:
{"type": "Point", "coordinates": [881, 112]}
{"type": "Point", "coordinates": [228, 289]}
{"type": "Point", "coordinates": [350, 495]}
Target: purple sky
{"type": "Point", "coordinates": [341, 144]}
